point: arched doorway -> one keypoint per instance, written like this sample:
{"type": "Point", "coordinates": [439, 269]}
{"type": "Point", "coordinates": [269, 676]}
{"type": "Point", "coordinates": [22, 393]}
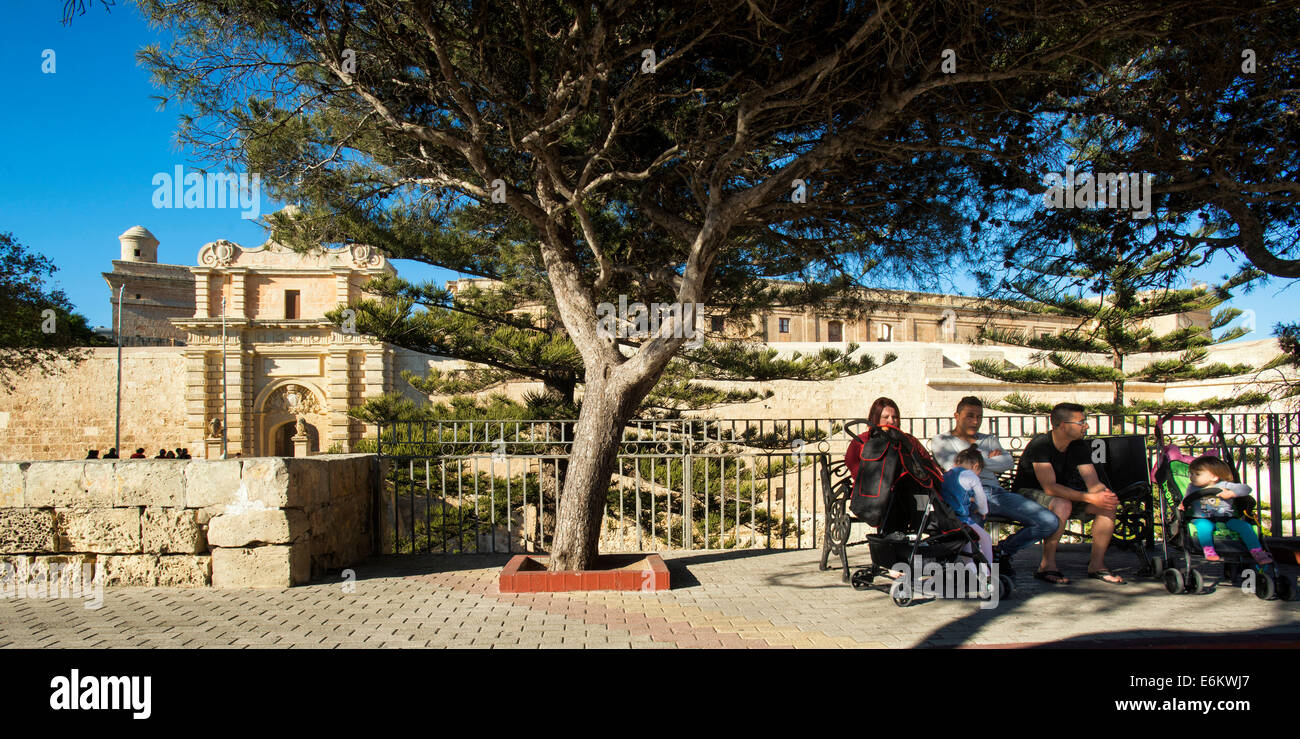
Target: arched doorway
{"type": "Point", "coordinates": [278, 408]}
{"type": "Point", "coordinates": [284, 439]}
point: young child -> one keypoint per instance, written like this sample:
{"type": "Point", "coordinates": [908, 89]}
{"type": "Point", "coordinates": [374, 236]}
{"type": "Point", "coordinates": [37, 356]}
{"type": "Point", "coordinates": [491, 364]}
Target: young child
{"type": "Point", "coordinates": [1212, 472]}
{"type": "Point", "coordinates": [961, 485]}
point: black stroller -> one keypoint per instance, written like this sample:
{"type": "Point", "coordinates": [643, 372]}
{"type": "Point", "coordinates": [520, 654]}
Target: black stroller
{"type": "Point", "coordinates": [1180, 547]}
{"type": "Point", "coordinates": [898, 491]}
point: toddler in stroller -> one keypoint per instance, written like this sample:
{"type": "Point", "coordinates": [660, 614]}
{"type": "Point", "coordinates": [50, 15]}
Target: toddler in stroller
{"type": "Point", "coordinates": [961, 488]}
{"type": "Point", "coordinates": [1209, 499]}
{"type": "Point", "coordinates": [1206, 516]}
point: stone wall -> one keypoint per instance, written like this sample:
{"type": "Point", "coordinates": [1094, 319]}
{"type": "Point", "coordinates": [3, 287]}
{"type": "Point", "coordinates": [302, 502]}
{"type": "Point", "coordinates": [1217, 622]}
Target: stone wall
{"type": "Point", "coordinates": [154, 293]}
{"type": "Point", "coordinates": [265, 296]}
{"type": "Point", "coordinates": [62, 414]}
{"type": "Point", "coordinates": [261, 522]}
{"type": "Point", "coordinates": [926, 380]}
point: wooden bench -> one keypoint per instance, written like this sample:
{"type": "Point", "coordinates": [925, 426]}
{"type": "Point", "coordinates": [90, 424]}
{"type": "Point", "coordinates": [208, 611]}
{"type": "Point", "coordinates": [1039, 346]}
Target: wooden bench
{"type": "Point", "coordinates": [1124, 471]}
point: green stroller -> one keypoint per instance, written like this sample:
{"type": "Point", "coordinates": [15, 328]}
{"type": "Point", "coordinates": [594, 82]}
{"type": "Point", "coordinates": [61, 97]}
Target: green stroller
{"type": "Point", "coordinates": [1179, 545]}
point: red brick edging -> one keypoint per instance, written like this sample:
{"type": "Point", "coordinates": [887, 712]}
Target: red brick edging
{"type": "Point", "coordinates": [527, 574]}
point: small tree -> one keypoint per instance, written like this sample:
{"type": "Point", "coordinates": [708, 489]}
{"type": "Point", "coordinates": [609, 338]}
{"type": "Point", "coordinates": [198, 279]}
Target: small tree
{"type": "Point", "coordinates": [39, 328]}
{"type": "Point", "coordinates": [1115, 299]}
{"type": "Point", "coordinates": [1288, 337]}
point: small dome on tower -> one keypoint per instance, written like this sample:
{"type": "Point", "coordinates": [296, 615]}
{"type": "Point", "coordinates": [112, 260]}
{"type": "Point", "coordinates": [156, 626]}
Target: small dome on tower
{"type": "Point", "coordinates": [138, 245]}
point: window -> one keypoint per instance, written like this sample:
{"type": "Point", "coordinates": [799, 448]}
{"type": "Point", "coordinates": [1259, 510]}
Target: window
{"type": "Point", "coordinates": [835, 331]}
{"type": "Point", "coordinates": [291, 303]}
{"type": "Point", "coordinates": [886, 332]}
{"type": "Point", "coordinates": [137, 296]}
{"type": "Point", "coordinates": [785, 325]}
{"type": "Point", "coordinates": [715, 323]}
{"type": "Point", "coordinates": [137, 252]}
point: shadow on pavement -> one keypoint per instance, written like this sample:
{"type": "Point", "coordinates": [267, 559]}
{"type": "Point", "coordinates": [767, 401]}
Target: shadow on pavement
{"type": "Point", "coordinates": [679, 563]}
{"type": "Point", "coordinates": [719, 555]}
{"type": "Point", "coordinates": [1163, 639]}
{"type": "Point", "coordinates": [1102, 599]}
{"type": "Point", "coordinates": [406, 565]}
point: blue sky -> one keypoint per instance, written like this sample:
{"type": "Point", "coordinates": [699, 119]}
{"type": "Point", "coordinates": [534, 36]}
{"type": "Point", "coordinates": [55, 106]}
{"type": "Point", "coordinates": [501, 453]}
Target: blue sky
{"type": "Point", "coordinates": [83, 144]}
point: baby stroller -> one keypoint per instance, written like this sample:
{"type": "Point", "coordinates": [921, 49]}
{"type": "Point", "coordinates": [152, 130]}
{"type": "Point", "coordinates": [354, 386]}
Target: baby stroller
{"type": "Point", "coordinates": [1179, 545]}
{"type": "Point", "coordinates": [898, 491]}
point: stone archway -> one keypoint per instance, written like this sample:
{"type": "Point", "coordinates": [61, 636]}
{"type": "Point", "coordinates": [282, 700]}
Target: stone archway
{"type": "Point", "coordinates": [278, 406]}
{"type": "Point", "coordinates": [283, 439]}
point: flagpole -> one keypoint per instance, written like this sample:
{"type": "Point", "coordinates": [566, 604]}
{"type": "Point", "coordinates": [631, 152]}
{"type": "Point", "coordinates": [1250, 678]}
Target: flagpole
{"type": "Point", "coordinates": [224, 402]}
{"type": "Point", "coordinates": [117, 414]}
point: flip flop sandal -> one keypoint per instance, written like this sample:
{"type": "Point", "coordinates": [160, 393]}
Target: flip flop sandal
{"type": "Point", "coordinates": [1103, 574]}
{"type": "Point", "coordinates": [1047, 575]}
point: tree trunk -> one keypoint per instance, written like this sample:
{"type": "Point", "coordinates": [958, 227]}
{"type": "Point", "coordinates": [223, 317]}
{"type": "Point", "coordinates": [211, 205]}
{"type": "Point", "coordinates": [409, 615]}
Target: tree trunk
{"type": "Point", "coordinates": [606, 408]}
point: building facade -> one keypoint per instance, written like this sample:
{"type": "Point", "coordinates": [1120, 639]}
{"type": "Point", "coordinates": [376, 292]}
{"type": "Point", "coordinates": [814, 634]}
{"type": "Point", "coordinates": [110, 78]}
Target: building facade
{"type": "Point", "coordinates": [888, 316]}
{"type": "Point", "coordinates": [282, 359]}
{"type": "Point", "coordinates": [265, 306]}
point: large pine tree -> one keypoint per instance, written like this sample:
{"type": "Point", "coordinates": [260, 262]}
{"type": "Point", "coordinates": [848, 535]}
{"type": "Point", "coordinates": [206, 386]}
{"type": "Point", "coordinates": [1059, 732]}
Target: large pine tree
{"type": "Point", "coordinates": [510, 329]}
{"type": "Point", "coordinates": [675, 153]}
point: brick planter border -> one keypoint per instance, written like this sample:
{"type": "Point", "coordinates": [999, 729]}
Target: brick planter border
{"type": "Point", "coordinates": [526, 573]}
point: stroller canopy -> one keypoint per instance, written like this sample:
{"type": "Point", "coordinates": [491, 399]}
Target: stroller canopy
{"type": "Point", "coordinates": [894, 468]}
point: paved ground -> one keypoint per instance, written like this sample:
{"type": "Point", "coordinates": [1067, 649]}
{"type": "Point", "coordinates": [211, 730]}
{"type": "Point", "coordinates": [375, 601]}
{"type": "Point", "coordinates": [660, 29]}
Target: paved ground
{"type": "Point", "coordinates": [719, 599]}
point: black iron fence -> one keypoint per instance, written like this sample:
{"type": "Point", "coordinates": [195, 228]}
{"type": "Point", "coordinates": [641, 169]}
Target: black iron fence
{"type": "Point", "coordinates": [492, 485]}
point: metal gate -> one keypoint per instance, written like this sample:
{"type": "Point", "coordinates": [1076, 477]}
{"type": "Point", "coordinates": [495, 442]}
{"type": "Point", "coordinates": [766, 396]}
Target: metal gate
{"type": "Point", "coordinates": [492, 486]}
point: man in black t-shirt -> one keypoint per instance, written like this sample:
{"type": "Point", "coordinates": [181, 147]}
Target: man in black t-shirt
{"type": "Point", "coordinates": [1056, 471]}
{"type": "Point", "coordinates": [1065, 463]}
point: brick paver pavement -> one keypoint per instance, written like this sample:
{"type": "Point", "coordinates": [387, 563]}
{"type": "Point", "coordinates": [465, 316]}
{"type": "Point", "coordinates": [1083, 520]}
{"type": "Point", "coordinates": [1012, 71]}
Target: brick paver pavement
{"type": "Point", "coordinates": [733, 599]}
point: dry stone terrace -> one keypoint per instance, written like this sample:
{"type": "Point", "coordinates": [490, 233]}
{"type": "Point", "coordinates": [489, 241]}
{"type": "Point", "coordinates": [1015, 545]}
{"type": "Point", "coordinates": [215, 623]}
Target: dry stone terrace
{"type": "Point", "coordinates": [258, 522]}
{"type": "Point", "coordinates": [738, 599]}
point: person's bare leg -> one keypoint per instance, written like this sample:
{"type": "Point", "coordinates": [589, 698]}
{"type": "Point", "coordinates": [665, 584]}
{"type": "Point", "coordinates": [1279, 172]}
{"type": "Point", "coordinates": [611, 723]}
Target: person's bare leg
{"type": "Point", "coordinates": [1103, 528]}
{"type": "Point", "coordinates": [1061, 507]}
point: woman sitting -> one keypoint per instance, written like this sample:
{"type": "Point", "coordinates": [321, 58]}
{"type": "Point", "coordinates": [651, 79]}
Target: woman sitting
{"type": "Point", "coordinates": [884, 412]}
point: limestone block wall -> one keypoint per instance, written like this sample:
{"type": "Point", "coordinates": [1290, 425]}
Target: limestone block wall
{"type": "Point", "coordinates": [263, 522]}
{"type": "Point", "coordinates": [61, 414]}
{"type": "Point", "coordinates": [153, 293]}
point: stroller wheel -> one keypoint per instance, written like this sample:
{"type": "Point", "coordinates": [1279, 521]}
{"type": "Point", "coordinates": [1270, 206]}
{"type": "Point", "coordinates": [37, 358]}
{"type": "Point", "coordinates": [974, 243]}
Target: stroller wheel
{"type": "Point", "coordinates": [862, 579]}
{"type": "Point", "coordinates": [901, 592]}
{"type": "Point", "coordinates": [1173, 581]}
{"type": "Point", "coordinates": [1196, 582]}
{"type": "Point", "coordinates": [1285, 587]}
{"type": "Point", "coordinates": [1265, 586]}
{"type": "Point", "coordinates": [1157, 566]}
{"type": "Point", "coordinates": [1006, 586]}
